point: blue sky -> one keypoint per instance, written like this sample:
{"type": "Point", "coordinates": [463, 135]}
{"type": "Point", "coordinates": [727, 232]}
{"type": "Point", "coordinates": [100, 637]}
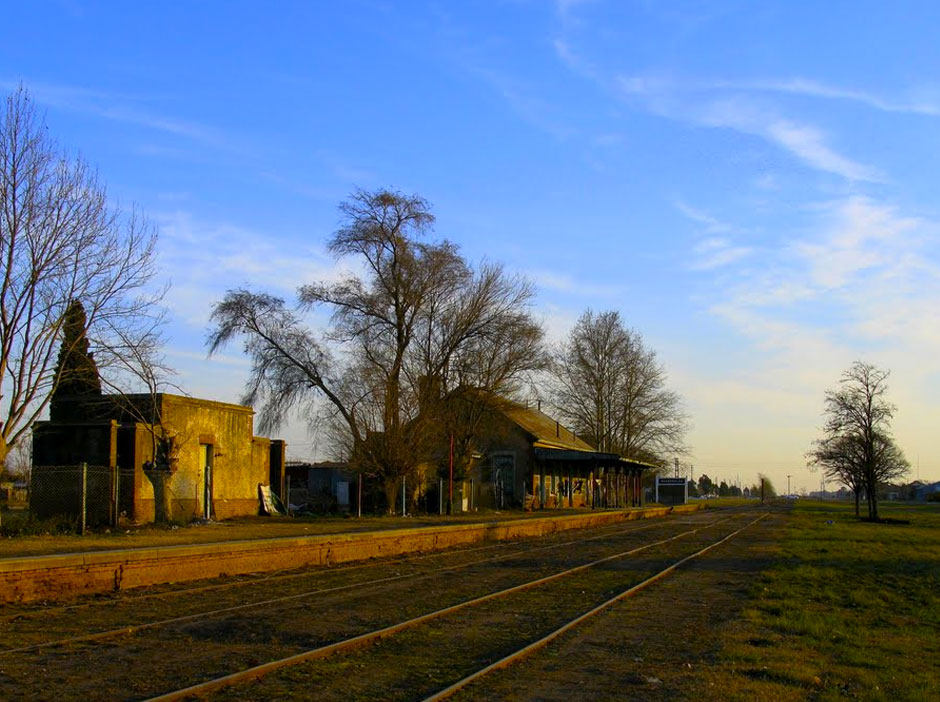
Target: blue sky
{"type": "Point", "coordinates": [752, 185]}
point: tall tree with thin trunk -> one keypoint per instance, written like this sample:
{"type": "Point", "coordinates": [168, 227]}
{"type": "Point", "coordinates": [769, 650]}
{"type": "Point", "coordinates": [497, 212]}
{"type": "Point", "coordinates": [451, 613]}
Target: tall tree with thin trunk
{"type": "Point", "coordinates": [418, 324]}
{"type": "Point", "coordinates": [61, 243]}
{"type": "Point", "coordinates": [613, 390]}
{"type": "Point", "coordinates": [857, 447]}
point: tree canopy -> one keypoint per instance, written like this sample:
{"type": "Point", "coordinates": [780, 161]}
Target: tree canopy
{"type": "Point", "coordinates": [613, 390]}
{"type": "Point", "coordinates": [75, 369]}
{"type": "Point", "coordinates": [857, 447]}
{"type": "Point", "coordinates": [418, 347]}
{"type": "Point", "coordinates": [62, 245]}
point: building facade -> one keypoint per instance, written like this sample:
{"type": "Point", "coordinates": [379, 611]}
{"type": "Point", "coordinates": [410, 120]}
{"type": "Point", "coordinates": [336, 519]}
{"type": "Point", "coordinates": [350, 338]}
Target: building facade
{"type": "Point", "coordinates": [150, 456]}
{"type": "Point", "coordinates": [533, 461]}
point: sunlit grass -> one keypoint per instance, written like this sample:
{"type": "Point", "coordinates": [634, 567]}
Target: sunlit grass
{"type": "Point", "coordinates": [850, 611]}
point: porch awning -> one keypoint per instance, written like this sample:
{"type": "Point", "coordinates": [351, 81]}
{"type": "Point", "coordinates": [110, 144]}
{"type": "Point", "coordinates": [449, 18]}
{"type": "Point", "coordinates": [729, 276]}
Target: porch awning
{"type": "Point", "coordinates": [589, 458]}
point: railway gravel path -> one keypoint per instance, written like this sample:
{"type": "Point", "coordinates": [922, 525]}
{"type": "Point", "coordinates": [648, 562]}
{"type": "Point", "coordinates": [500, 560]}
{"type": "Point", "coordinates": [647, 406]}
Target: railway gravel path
{"type": "Point", "coordinates": [138, 646]}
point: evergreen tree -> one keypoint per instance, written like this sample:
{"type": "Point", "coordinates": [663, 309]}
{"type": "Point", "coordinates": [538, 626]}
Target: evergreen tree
{"type": "Point", "coordinates": [76, 372]}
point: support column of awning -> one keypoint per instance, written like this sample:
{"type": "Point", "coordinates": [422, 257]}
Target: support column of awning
{"type": "Point", "coordinates": [608, 479]}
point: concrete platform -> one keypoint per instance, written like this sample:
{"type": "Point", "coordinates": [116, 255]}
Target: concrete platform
{"type": "Point", "coordinates": [62, 576]}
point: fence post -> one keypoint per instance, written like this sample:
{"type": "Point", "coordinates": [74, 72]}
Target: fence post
{"type": "Point", "coordinates": [116, 497]}
{"type": "Point", "coordinates": [84, 496]}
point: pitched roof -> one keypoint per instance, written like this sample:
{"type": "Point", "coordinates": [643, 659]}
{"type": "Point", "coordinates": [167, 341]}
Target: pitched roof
{"type": "Point", "coordinates": [547, 432]}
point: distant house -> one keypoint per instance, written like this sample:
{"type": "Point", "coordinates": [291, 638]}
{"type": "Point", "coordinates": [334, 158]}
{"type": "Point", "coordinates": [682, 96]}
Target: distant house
{"type": "Point", "coordinates": [212, 461]}
{"type": "Point", "coordinates": [925, 490]}
{"type": "Point", "coordinates": [532, 460]}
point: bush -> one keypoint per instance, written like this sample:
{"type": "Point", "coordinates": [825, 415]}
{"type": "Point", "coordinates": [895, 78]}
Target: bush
{"type": "Point", "coordinates": [24, 523]}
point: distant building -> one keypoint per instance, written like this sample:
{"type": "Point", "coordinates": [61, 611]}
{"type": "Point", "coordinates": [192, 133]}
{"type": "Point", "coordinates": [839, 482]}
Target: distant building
{"type": "Point", "coordinates": [212, 462]}
{"type": "Point", "coordinates": [923, 491]}
{"type": "Point", "coordinates": [323, 486]}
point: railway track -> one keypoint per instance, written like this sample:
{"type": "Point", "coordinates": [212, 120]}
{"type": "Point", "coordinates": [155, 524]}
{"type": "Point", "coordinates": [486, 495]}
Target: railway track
{"type": "Point", "coordinates": [130, 628]}
{"type": "Point", "coordinates": [499, 577]}
{"type": "Point", "coordinates": [541, 643]}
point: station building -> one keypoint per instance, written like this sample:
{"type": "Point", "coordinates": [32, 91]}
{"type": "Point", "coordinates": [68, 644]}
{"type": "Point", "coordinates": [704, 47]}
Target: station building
{"type": "Point", "coordinates": [532, 460]}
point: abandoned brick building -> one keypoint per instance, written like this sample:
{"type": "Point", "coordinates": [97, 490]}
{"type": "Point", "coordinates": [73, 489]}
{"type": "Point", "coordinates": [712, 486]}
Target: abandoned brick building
{"type": "Point", "coordinates": [190, 458]}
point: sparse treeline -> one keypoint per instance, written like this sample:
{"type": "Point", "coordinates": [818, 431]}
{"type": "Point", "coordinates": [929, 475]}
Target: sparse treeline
{"type": "Point", "coordinates": [705, 486]}
{"type": "Point", "coordinates": [423, 347]}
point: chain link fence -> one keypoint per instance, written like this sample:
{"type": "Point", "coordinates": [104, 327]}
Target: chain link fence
{"type": "Point", "coordinates": [89, 496]}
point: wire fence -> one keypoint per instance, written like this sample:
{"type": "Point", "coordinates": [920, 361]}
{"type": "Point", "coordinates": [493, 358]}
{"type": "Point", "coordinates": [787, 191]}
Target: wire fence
{"type": "Point", "coordinates": [88, 495]}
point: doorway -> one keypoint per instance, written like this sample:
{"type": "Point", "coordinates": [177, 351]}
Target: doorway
{"type": "Point", "coordinates": [205, 451]}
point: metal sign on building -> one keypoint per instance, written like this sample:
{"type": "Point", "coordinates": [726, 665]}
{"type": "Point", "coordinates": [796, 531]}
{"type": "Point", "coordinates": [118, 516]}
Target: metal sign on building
{"type": "Point", "coordinates": [671, 491]}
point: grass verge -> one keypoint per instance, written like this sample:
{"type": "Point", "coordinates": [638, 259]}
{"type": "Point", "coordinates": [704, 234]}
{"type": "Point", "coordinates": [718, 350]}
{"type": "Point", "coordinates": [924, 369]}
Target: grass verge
{"type": "Point", "coordinates": [850, 610]}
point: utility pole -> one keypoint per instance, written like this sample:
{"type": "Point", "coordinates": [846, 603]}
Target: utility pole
{"type": "Point", "coordinates": [788, 486]}
{"type": "Point", "coordinates": [450, 478]}
{"type": "Point", "coordinates": [676, 459]}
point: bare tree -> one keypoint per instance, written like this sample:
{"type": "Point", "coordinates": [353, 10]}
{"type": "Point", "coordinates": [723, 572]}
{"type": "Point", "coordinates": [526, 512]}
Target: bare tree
{"type": "Point", "coordinates": [142, 370]}
{"type": "Point", "coordinates": [400, 337]}
{"type": "Point", "coordinates": [613, 390]}
{"type": "Point", "coordinates": [857, 447]}
{"type": "Point", "coordinates": [61, 242]}
{"type": "Point", "coordinates": [477, 346]}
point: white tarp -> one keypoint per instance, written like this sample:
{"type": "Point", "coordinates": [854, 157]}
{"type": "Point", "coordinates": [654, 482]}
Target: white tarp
{"type": "Point", "coordinates": [270, 503]}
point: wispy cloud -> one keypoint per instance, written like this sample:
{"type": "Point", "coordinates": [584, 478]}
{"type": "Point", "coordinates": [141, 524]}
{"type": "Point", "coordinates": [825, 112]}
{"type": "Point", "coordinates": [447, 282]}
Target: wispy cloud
{"type": "Point", "coordinates": [204, 259]}
{"type": "Point", "coordinates": [740, 113]}
{"type": "Point", "coordinates": [728, 104]}
{"type": "Point", "coordinates": [811, 88]}
{"type": "Point", "coordinates": [711, 224]}
{"type": "Point", "coordinates": [865, 274]}
{"type": "Point", "coordinates": [523, 100]}
{"type": "Point", "coordinates": [574, 61]}
{"type": "Point", "coordinates": [716, 249]}
{"type": "Point", "coordinates": [118, 107]}
{"type": "Point", "coordinates": [716, 252]}
{"type": "Point", "coordinates": [809, 144]}
{"type": "Point", "coordinates": [561, 282]}
{"type": "Point", "coordinates": [566, 10]}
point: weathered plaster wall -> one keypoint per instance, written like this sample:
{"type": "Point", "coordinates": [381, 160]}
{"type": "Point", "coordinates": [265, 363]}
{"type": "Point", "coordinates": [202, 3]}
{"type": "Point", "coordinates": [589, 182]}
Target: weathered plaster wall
{"type": "Point", "coordinates": [239, 461]}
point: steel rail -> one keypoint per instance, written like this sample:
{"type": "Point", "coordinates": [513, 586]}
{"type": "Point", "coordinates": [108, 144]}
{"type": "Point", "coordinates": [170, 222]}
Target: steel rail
{"type": "Point", "coordinates": [275, 576]}
{"type": "Point", "coordinates": [134, 628]}
{"type": "Point", "coordinates": [368, 637]}
{"type": "Point", "coordinates": [545, 640]}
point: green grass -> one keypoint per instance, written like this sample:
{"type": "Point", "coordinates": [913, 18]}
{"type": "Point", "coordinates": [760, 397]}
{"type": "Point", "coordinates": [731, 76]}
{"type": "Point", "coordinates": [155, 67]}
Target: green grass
{"type": "Point", "coordinates": [850, 611]}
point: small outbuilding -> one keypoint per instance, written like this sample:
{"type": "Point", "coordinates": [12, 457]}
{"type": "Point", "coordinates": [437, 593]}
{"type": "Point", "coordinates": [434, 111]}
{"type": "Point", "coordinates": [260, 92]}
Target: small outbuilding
{"type": "Point", "coordinates": [151, 456]}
